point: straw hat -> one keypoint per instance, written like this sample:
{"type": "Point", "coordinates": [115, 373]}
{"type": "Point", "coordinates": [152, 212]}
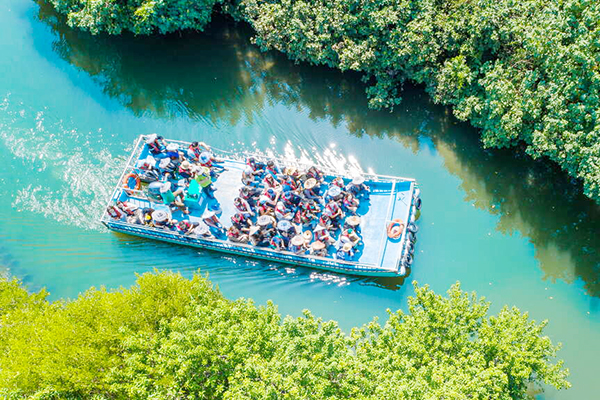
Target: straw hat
{"type": "Point", "coordinates": [160, 215]}
{"type": "Point", "coordinates": [264, 220]}
{"type": "Point", "coordinates": [307, 236]}
{"type": "Point", "coordinates": [347, 247]}
{"type": "Point", "coordinates": [151, 138]}
{"type": "Point", "coordinates": [186, 165]}
{"type": "Point", "coordinates": [298, 240]}
{"type": "Point", "coordinates": [358, 179]}
{"type": "Point", "coordinates": [353, 220]}
{"type": "Point", "coordinates": [310, 183]}
{"type": "Point", "coordinates": [172, 147]}
{"type": "Point", "coordinates": [334, 191]}
{"type": "Point", "coordinates": [165, 187]}
{"type": "Point", "coordinates": [318, 245]}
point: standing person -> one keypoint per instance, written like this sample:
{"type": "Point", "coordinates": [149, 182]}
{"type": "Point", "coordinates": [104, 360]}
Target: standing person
{"type": "Point", "coordinates": [205, 182]}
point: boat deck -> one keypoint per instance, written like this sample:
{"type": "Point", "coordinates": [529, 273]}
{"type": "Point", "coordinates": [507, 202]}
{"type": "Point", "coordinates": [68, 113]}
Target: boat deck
{"type": "Point", "coordinates": [390, 198]}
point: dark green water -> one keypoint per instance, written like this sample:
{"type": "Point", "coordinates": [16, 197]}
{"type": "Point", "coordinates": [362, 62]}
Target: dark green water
{"type": "Point", "coordinates": [71, 105]}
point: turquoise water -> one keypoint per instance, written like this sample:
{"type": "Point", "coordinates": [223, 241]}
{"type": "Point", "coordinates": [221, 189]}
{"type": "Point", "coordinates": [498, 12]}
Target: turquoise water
{"type": "Point", "coordinates": [71, 105]}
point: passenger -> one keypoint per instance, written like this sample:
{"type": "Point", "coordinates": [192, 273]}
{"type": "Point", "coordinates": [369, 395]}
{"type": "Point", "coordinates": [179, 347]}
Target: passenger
{"type": "Point", "coordinates": [288, 183]}
{"type": "Point", "coordinates": [160, 219]}
{"type": "Point", "coordinates": [311, 191]}
{"type": "Point", "coordinates": [251, 195]}
{"type": "Point", "coordinates": [212, 221]}
{"type": "Point", "coordinates": [255, 236]}
{"type": "Point", "coordinates": [297, 245]}
{"type": "Point", "coordinates": [334, 193]}
{"type": "Point", "coordinates": [174, 154]}
{"type": "Point", "coordinates": [249, 176]}
{"type": "Point", "coordinates": [193, 152]}
{"type": "Point", "coordinates": [237, 236]}
{"type": "Point", "coordinates": [350, 203]}
{"type": "Point", "coordinates": [255, 165]}
{"type": "Point", "coordinates": [156, 144]}
{"type": "Point", "coordinates": [171, 198]}
{"type": "Point", "coordinates": [345, 252]}
{"type": "Point", "coordinates": [339, 182]}
{"type": "Point", "coordinates": [115, 212]}
{"type": "Point", "coordinates": [185, 170]}
{"type": "Point", "coordinates": [314, 173]}
{"type": "Point", "coordinates": [318, 249]}
{"type": "Point", "coordinates": [205, 182]}
{"type": "Point", "coordinates": [270, 182]}
{"type": "Point", "coordinates": [243, 207]}
{"type": "Point", "coordinates": [277, 242]}
{"type": "Point", "coordinates": [286, 229]}
{"type": "Point", "coordinates": [333, 211]}
{"type": "Point", "coordinates": [209, 161]}
{"type": "Point", "coordinates": [241, 221]}
{"type": "Point", "coordinates": [291, 199]}
{"type": "Point", "coordinates": [267, 200]}
{"type": "Point", "coordinates": [186, 227]}
{"type": "Point", "coordinates": [350, 236]}
{"type": "Point", "coordinates": [322, 235]}
{"type": "Point", "coordinates": [272, 169]}
{"type": "Point", "coordinates": [147, 215]}
{"type": "Point", "coordinates": [358, 188]}
{"type": "Point", "coordinates": [282, 212]}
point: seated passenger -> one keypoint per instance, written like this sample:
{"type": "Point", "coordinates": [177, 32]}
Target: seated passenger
{"type": "Point", "coordinates": [297, 245]}
{"type": "Point", "coordinates": [250, 194]}
{"type": "Point", "coordinates": [339, 182]}
{"type": "Point", "coordinates": [323, 235]}
{"type": "Point", "coordinates": [318, 249]}
{"type": "Point", "coordinates": [270, 182]}
{"type": "Point", "coordinates": [272, 169]}
{"type": "Point", "coordinates": [193, 152]}
{"type": "Point", "coordinates": [147, 215]}
{"type": "Point", "coordinates": [212, 220]}
{"type": "Point", "coordinates": [237, 236]}
{"type": "Point", "coordinates": [156, 144]}
{"type": "Point", "coordinates": [208, 160]}
{"type": "Point", "coordinates": [115, 212]}
{"type": "Point", "coordinates": [249, 176]}
{"type": "Point", "coordinates": [174, 154]}
{"type": "Point", "coordinates": [185, 170]}
{"type": "Point", "coordinates": [350, 236]}
{"type": "Point", "coordinates": [127, 207]}
{"type": "Point", "coordinates": [311, 191]}
{"type": "Point", "coordinates": [186, 227]}
{"type": "Point", "coordinates": [350, 203]}
{"type": "Point", "coordinates": [268, 198]}
{"type": "Point", "coordinates": [282, 212]}
{"type": "Point", "coordinates": [291, 199]}
{"type": "Point", "coordinates": [255, 165]}
{"type": "Point", "coordinates": [345, 252]}
{"type": "Point", "coordinates": [243, 207]}
{"type": "Point", "coordinates": [277, 242]}
{"type": "Point", "coordinates": [314, 173]}
{"type": "Point", "coordinates": [171, 198]}
{"type": "Point", "coordinates": [358, 188]}
{"type": "Point", "coordinates": [333, 211]}
{"type": "Point", "coordinates": [288, 183]}
{"type": "Point", "coordinates": [255, 235]}
{"type": "Point", "coordinates": [241, 221]}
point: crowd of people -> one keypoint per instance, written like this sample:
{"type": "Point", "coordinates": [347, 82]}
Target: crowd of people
{"type": "Point", "coordinates": [282, 208]}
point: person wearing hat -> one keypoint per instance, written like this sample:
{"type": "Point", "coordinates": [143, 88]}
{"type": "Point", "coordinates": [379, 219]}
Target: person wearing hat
{"type": "Point", "coordinates": [185, 170]}
{"type": "Point", "coordinates": [358, 188]}
{"type": "Point", "coordinates": [156, 144]}
{"type": "Point", "coordinates": [173, 153]}
{"type": "Point", "coordinates": [269, 181]}
{"type": "Point", "coordinates": [212, 220]}
{"type": "Point", "coordinates": [171, 198]}
{"type": "Point", "coordinates": [146, 215]}
{"type": "Point", "coordinates": [311, 189]}
{"type": "Point", "coordinates": [236, 235]}
{"type": "Point", "coordinates": [333, 211]}
{"type": "Point", "coordinates": [283, 212]}
{"type": "Point", "coordinates": [297, 245]}
{"type": "Point", "coordinates": [318, 249]}
{"type": "Point", "coordinates": [205, 182]}
{"type": "Point", "coordinates": [241, 221]}
{"type": "Point", "coordinates": [322, 235]}
{"type": "Point", "coordinates": [350, 236]}
{"type": "Point", "coordinates": [345, 252]}
{"type": "Point", "coordinates": [334, 193]}
{"type": "Point", "coordinates": [249, 176]}
{"type": "Point", "coordinates": [314, 173]}
{"type": "Point", "coordinates": [255, 235]}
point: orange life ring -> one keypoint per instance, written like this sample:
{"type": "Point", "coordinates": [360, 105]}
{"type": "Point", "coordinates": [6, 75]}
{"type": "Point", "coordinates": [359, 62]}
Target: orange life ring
{"type": "Point", "coordinates": [395, 228]}
{"type": "Point", "coordinates": [138, 182]}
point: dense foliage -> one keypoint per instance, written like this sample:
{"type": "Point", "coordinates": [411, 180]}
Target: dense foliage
{"type": "Point", "coordinates": [522, 71]}
{"type": "Point", "coordinates": [169, 337]}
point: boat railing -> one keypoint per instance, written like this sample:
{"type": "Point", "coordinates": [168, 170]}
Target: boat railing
{"type": "Point", "coordinates": [247, 248]}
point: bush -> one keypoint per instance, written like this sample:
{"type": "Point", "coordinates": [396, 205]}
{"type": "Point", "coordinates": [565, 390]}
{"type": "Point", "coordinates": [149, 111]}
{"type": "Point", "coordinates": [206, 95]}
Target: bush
{"type": "Point", "coordinates": [169, 337]}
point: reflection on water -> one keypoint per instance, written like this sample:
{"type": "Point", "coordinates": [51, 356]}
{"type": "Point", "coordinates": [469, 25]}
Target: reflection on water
{"type": "Point", "coordinates": [218, 76]}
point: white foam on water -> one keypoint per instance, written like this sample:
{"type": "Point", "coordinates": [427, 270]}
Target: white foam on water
{"type": "Point", "coordinates": [61, 175]}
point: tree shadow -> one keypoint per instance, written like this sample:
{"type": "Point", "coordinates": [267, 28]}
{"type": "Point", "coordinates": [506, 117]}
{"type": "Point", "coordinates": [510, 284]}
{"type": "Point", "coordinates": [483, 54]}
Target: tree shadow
{"type": "Point", "coordinates": [159, 76]}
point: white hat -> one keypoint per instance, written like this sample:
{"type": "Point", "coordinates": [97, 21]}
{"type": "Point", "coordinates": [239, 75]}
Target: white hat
{"type": "Point", "coordinates": [165, 187]}
{"type": "Point", "coordinates": [164, 163]}
{"type": "Point", "coordinates": [160, 215]}
{"type": "Point", "coordinates": [172, 147]}
{"type": "Point", "coordinates": [254, 229]}
{"type": "Point", "coordinates": [347, 246]}
{"type": "Point", "coordinates": [264, 220]}
{"type": "Point", "coordinates": [186, 165]}
{"type": "Point", "coordinates": [284, 225]}
{"type": "Point", "coordinates": [202, 229]}
{"type": "Point", "coordinates": [353, 220]}
{"type": "Point", "coordinates": [334, 191]}
{"type": "Point", "coordinates": [151, 138]}
{"type": "Point", "coordinates": [358, 179]}
{"type": "Point", "coordinates": [298, 240]}
{"type": "Point", "coordinates": [310, 183]}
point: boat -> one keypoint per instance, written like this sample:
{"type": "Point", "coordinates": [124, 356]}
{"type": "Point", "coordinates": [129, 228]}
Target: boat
{"type": "Point", "coordinates": [385, 221]}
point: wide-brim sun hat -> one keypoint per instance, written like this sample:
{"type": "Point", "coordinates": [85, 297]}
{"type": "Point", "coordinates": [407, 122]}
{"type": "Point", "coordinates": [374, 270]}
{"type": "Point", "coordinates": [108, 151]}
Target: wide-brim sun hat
{"type": "Point", "coordinates": [347, 247]}
{"type": "Point", "coordinates": [205, 156]}
{"type": "Point", "coordinates": [172, 147]}
{"type": "Point", "coordinates": [186, 165]}
{"type": "Point", "coordinates": [310, 183]}
{"type": "Point", "coordinates": [151, 138]}
{"type": "Point", "coordinates": [334, 191]}
{"type": "Point", "coordinates": [358, 179]}
{"type": "Point", "coordinates": [353, 220]}
{"type": "Point", "coordinates": [165, 187]}
{"type": "Point", "coordinates": [160, 215]}
{"type": "Point", "coordinates": [298, 240]}
{"type": "Point", "coordinates": [318, 245]}
{"type": "Point", "coordinates": [284, 225]}
{"type": "Point", "coordinates": [307, 236]}
{"type": "Point", "coordinates": [264, 220]}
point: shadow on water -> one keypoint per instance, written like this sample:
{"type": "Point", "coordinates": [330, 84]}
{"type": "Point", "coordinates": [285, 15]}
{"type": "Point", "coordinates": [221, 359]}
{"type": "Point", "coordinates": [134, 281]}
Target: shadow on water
{"type": "Point", "coordinates": [236, 80]}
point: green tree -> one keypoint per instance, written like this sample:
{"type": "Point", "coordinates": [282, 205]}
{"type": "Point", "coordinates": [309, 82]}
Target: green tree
{"type": "Point", "coordinates": [169, 337]}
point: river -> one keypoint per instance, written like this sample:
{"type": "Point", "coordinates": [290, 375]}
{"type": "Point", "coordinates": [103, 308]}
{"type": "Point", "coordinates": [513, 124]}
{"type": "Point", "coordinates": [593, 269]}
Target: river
{"type": "Point", "coordinates": [518, 232]}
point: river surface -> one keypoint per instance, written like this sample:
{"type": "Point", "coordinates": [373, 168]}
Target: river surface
{"type": "Point", "coordinates": [71, 105]}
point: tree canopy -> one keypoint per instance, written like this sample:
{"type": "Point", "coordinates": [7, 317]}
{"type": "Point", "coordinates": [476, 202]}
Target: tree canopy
{"type": "Point", "coordinates": [524, 72]}
{"type": "Point", "coordinates": [170, 337]}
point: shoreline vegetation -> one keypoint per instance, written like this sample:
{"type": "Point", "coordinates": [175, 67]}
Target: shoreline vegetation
{"type": "Point", "coordinates": [172, 337]}
{"type": "Point", "coordinates": [525, 73]}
